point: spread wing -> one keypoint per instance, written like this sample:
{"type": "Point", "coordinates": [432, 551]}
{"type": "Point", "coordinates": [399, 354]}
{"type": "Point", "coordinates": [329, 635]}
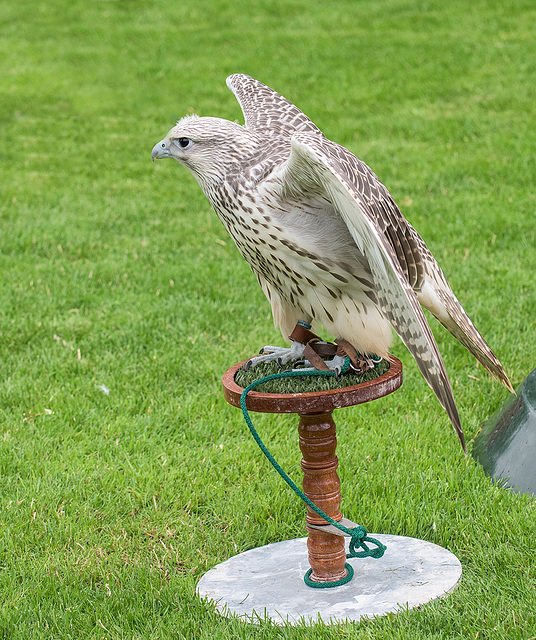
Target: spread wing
{"type": "Point", "coordinates": [381, 233]}
{"type": "Point", "coordinates": [265, 110]}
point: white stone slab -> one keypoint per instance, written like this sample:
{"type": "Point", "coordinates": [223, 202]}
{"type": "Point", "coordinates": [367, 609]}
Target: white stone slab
{"type": "Point", "coordinates": [267, 583]}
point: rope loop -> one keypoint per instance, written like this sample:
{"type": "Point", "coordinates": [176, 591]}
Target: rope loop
{"type": "Point", "coordinates": [359, 538]}
{"type": "Point", "coordinates": [326, 585]}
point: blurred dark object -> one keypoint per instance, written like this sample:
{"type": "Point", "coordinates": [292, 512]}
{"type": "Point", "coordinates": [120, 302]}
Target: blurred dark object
{"type": "Point", "coordinates": [506, 444]}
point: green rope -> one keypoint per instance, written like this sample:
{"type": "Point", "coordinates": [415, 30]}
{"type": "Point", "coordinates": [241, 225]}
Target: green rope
{"type": "Point", "coordinates": [327, 585]}
{"type": "Point", "coordinates": [358, 535]}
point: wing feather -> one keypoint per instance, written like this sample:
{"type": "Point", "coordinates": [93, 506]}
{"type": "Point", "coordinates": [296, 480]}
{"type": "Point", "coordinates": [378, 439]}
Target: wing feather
{"type": "Point", "coordinates": [332, 167]}
{"type": "Point", "coordinates": [269, 113]}
{"type": "Point", "coordinates": [265, 110]}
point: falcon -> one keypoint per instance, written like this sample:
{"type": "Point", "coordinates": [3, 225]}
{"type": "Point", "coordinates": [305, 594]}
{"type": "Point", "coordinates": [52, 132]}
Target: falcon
{"type": "Point", "coordinates": [325, 239]}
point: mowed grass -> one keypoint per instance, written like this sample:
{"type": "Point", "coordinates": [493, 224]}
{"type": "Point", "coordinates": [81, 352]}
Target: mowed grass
{"type": "Point", "coordinates": [124, 475]}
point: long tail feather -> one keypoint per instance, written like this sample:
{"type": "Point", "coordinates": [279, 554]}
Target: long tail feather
{"type": "Point", "coordinates": [460, 325]}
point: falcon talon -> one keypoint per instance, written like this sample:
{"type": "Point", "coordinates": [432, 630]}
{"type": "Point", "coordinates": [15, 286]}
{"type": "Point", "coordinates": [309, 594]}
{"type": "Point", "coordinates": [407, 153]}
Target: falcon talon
{"type": "Point", "coordinates": [269, 349]}
{"type": "Point", "coordinates": [357, 370]}
{"type": "Point", "coordinates": [294, 201]}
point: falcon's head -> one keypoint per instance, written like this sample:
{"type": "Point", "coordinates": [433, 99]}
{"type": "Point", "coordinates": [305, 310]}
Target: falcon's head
{"type": "Point", "coordinates": [208, 147]}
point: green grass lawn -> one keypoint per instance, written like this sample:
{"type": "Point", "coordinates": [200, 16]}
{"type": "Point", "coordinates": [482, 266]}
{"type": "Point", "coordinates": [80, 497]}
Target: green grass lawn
{"type": "Point", "coordinates": [124, 475]}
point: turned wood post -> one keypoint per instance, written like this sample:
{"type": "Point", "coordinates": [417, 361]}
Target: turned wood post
{"type": "Point", "coordinates": [321, 484]}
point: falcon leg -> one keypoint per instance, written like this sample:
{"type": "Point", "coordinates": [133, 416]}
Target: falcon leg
{"type": "Point", "coordinates": [299, 338]}
{"type": "Point", "coordinates": [335, 365]}
{"type": "Point", "coordinates": [281, 355]}
{"type": "Point", "coordinates": [365, 364]}
{"type": "Point", "coordinates": [307, 349]}
{"type": "Point", "coordinates": [358, 362]}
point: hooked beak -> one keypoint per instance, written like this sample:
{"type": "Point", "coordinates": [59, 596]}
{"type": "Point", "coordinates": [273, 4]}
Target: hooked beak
{"type": "Point", "coordinates": [160, 150]}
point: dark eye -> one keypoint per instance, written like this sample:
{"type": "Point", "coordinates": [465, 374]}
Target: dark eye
{"type": "Point", "coordinates": [184, 142]}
